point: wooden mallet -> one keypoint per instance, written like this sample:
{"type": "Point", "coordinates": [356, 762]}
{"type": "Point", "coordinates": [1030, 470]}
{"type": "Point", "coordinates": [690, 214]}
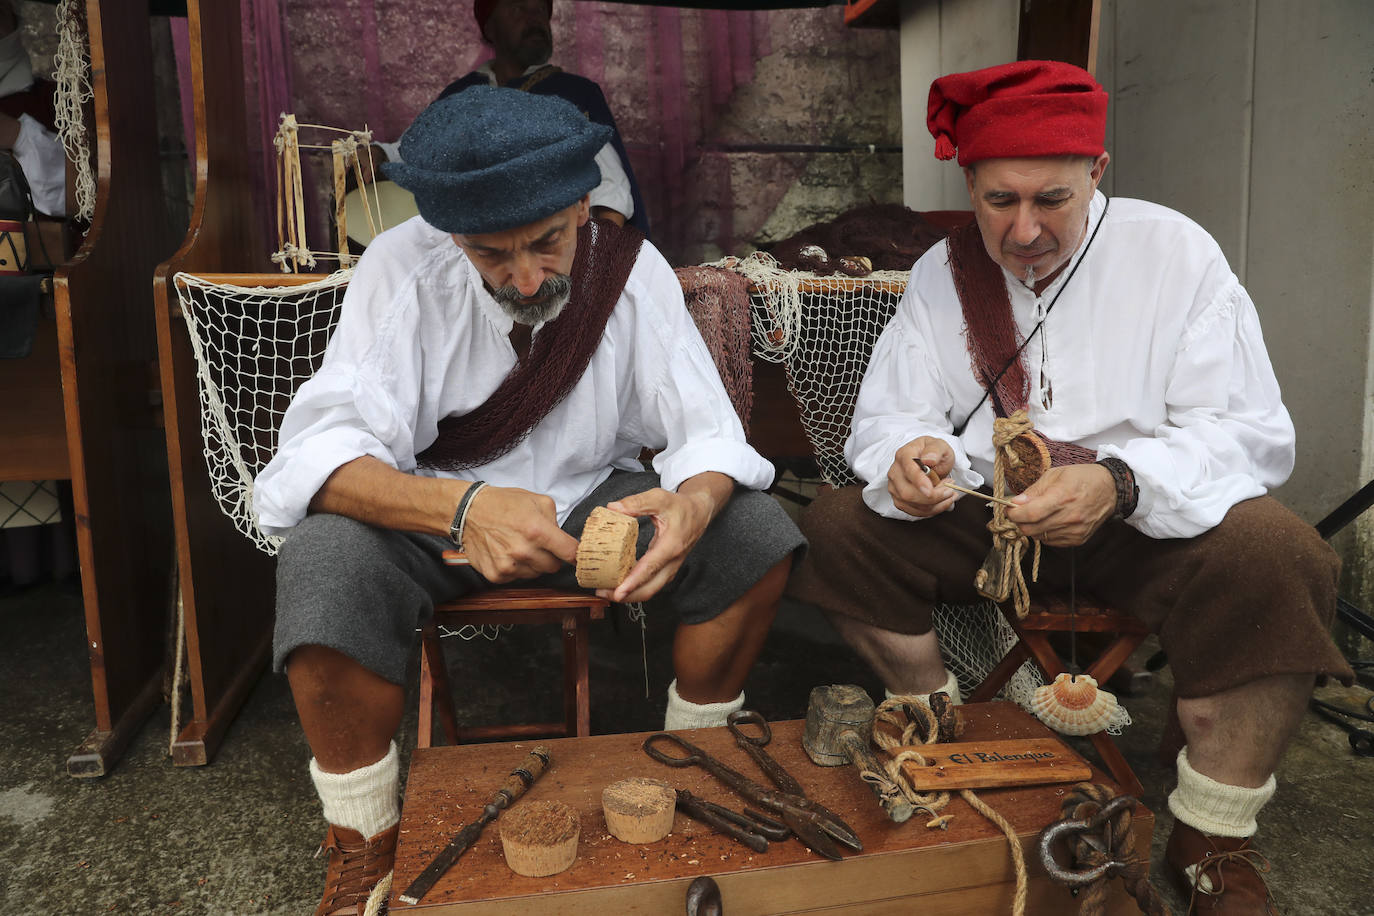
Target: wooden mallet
{"type": "Point", "coordinates": [839, 727]}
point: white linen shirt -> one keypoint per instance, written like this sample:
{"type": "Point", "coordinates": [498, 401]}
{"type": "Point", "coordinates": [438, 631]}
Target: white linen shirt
{"type": "Point", "coordinates": [1152, 354]}
{"type": "Point", "coordinates": [419, 338]}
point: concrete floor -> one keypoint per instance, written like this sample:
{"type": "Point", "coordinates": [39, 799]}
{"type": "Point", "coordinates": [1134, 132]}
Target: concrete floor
{"type": "Point", "coordinates": [239, 836]}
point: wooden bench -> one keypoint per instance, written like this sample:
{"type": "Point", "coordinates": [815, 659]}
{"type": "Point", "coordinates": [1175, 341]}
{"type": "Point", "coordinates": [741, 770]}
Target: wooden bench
{"type": "Point", "coordinates": [904, 868]}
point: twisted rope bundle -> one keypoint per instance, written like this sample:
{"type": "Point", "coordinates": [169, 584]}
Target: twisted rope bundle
{"type": "Point", "coordinates": [1008, 543]}
{"type": "Point", "coordinates": [916, 723]}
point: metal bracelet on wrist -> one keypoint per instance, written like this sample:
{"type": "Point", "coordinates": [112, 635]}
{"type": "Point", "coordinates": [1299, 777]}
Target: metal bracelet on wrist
{"type": "Point", "coordinates": [460, 515]}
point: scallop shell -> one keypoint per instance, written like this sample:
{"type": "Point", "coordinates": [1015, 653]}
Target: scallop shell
{"type": "Point", "coordinates": [1073, 705]}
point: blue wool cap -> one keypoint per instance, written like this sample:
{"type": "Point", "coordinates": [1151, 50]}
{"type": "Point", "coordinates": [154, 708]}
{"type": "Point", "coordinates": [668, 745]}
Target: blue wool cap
{"type": "Point", "coordinates": [486, 159]}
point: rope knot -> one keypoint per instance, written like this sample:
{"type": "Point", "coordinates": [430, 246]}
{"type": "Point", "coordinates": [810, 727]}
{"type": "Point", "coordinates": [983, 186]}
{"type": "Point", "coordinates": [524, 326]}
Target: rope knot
{"type": "Point", "coordinates": [1001, 576]}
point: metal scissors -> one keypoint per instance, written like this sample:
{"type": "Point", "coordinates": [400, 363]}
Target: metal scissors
{"type": "Point", "coordinates": [754, 745]}
{"type": "Point", "coordinates": [812, 827]}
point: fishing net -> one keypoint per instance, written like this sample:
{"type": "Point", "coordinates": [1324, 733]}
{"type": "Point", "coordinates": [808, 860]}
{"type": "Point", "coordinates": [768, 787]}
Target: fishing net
{"type": "Point", "coordinates": [254, 346]}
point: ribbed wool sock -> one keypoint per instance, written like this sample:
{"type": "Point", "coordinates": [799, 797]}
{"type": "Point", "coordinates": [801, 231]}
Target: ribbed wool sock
{"type": "Point", "coordinates": [365, 799]}
{"type": "Point", "coordinates": [682, 714]}
{"type": "Point", "coordinates": [1214, 807]}
{"type": "Point", "coordinates": [951, 687]}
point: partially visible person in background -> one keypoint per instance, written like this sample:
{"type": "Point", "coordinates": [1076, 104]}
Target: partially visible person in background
{"type": "Point", "coordinates": [520, 33]}
{"type": "Point", "coordinates": [26, 121]}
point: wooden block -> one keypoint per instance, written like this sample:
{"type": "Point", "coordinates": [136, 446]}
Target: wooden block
{"type": "Point", "coordinates": [539, 838]}
{"type": "Point", "coordinates": [639, 809]}
{"type": "Point", "coordinates": [607, 549]}
{"type": "Point", "coordinates": [991, 764]}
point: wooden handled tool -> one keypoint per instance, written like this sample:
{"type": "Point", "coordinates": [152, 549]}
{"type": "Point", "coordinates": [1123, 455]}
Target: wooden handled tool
{"type": "Point", "coordinates": [944, 482]}
{"type": "Point", "coordinates": [839, 725]}
{"type": "Point", "coordinates": [521, 778]}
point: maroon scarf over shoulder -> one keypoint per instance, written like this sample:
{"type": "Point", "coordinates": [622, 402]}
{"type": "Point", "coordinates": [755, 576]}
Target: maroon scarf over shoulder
{"type": "Point", "coordinates": [991, 336]}
{"type": "Point", "coordinates": [554, 364]}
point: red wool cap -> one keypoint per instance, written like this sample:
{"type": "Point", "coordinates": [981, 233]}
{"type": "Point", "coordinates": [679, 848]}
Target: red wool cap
{"type": "Point", "coordinates": [482, 10]}
{"type": "Point", "coordinates": [1023, 109]}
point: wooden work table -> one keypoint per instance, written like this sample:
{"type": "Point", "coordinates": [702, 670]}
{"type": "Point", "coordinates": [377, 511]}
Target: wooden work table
{"type": "Point", "coordinates": [904, 868]}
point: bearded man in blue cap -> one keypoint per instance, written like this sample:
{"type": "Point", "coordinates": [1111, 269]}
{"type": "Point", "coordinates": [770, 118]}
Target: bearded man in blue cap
{"type": "Point", "coordinates": [498, 365]}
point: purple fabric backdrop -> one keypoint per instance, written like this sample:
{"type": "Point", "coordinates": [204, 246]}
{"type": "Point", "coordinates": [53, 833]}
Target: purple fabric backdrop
{"type": "Point", "coordinates": [668, 73]}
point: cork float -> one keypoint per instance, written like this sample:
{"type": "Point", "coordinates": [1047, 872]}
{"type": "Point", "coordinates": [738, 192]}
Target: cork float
{"type": "Point", "coordinates": [540, 838]}
{"type": "Point", "coordinates": [639, 809]}
{"type": "Point", "coordinates": [607, 549]}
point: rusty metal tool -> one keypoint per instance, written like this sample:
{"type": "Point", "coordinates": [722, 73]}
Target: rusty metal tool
{"type": "Point", "coordinates": [521, 778]}
{"type": "Point", "coordinates": [839, 726]}
{"type": "Point", "coordinates": [750, 828]}
{"type": "Point", "coordinates": [1091, 831]}
{"type": "Point", "coordinates": [754, 745]}
{"type": "Point", "coordinates": [810, 826]}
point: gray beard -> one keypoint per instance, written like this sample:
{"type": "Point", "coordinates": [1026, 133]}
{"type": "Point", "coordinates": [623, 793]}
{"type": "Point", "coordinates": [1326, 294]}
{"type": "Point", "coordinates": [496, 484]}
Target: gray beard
{"type": "Point", "coordinates": [1029, 278]}
{"type": "Point", "coordinates": [544, 305]}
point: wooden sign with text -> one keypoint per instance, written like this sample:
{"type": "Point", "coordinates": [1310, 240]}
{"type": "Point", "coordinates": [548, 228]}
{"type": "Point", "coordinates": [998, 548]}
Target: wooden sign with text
{"type": "Point", "coordinates": [989, 764]}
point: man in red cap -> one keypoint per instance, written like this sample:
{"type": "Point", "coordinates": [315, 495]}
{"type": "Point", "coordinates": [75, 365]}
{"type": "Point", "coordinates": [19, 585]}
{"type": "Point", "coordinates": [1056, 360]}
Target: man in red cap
{"type": "Point", "coordinates": [520, 33]}
{"type": "Point", "coordinates": [1121, 333]}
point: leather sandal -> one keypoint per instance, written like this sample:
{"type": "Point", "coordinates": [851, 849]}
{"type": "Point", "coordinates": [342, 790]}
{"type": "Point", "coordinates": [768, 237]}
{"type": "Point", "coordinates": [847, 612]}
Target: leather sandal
{"type": "Point", "coordinates": [356, 866]}
{"type": "Point", "coordinates": [1219, 875]}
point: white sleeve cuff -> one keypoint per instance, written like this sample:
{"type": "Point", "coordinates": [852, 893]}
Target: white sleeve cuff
{"type": "Point", "coordinates": [614, 190]}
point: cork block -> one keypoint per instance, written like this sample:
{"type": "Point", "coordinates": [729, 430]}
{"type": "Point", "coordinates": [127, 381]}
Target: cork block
{"type": "Point", "coordinates": [639, 809]}
{"type": "Point", "coordinates": [607, 549]}
{"type": "Point", "coordinates": [539, 838]}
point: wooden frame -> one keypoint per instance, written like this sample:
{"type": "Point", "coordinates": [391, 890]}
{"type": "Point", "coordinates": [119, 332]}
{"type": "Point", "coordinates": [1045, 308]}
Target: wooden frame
{"type": "Point", "coordinates": [1050, 615]}
{"type": "Point", "coordinates": [573, 610]}
{"type": "Point", "coordinates": [107, 351]}
{"type": "Point", "coordinates": [226, 584]}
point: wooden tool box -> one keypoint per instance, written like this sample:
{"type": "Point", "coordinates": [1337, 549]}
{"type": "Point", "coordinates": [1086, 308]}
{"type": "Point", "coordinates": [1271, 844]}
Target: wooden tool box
{"type": "Point", "coordinates": [906, 868]}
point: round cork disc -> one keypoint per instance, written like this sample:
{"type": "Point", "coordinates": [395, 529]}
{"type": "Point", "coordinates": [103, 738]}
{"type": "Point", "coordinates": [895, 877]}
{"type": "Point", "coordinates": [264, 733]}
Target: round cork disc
{"type": "Point", "coordinates": [1033, 459]}
{"type": "Point", "coordinates": [606, 550]}
{"type": "Point", "coordinates": [539, 838]}
{"type": "Point", "coordinates": [639, 809]}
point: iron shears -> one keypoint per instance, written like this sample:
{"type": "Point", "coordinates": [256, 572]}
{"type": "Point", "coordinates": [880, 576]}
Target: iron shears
{"type": "Point", "coordinates": [816, 827]}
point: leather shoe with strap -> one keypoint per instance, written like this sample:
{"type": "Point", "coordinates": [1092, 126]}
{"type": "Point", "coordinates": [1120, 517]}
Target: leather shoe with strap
{"type": "Point", "coordinates": [356, 866]}
{"type": "Point", "coordinates": [1220, 875]}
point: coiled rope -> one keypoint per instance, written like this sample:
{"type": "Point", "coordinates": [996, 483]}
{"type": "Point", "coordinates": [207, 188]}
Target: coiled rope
{"type": "Point", "coordinates": [912, 718]}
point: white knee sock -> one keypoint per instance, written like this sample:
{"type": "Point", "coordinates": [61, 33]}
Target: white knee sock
{"type": "Point", "coordinates": [1214, 807]}
{"type": "Point", "coordinates": [951, 687]}
{"type": "Point", "coordinates": [682, 714]}
{"type": "Point", "coordinates": [364, 799]}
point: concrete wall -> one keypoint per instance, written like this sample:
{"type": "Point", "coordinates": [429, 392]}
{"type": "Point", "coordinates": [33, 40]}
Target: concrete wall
{"type": "Point", "coordinates": [938, 37]}
{"type": "Point", "coordinates": [1254, 118]}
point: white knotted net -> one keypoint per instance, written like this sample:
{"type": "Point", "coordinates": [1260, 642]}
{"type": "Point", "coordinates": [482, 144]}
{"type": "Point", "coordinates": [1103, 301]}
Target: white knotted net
{"type": "Point", "coordinates": [254, 346]}
{"type": "Point", "coordinates": [822, 330]}
{"type": "Point", "coordinates": [72, 73]}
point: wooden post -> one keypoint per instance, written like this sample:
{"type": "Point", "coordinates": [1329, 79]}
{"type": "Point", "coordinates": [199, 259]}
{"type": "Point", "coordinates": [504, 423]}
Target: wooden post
{"type": "Point", "coordinates": [226, 583]}
{"type": "Point", "coordinates": [107, 350]}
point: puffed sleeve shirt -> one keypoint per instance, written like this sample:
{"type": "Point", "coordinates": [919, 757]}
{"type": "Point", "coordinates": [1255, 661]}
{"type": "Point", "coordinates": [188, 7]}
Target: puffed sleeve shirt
{"type": "Point", "coordinates": [419, 338]}
{"type": "Point", "coordinates": [1152, 354]}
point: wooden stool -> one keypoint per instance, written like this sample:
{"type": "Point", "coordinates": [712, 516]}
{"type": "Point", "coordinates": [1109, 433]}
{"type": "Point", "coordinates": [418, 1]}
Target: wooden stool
{"type": "Point", "coordinates": [573, 610]}
{"type": "Point", "coordinates": [1051, 615]}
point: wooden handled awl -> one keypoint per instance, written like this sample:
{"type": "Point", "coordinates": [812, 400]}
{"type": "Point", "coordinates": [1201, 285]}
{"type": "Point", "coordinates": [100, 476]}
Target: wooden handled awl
{"type": "Point", "coordinates": [945, 482]}
{"type": "Point", "coordinates": [521, 778]}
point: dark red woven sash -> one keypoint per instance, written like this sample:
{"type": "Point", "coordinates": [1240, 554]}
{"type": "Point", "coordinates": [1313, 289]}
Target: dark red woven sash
{"type": "Point", "coordinates": [991, 336]}
{"type": "Point", "coordinates": [606, 253]}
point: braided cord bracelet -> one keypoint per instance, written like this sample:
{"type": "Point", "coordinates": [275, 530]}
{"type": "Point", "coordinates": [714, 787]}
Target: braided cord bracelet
{"type": "Point", "coordinates": [1127, 493]}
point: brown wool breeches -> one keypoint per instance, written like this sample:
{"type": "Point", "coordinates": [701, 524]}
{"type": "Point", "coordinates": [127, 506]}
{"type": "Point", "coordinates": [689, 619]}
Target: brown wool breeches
{"type": "Point", "coordinates": [1251, 598]}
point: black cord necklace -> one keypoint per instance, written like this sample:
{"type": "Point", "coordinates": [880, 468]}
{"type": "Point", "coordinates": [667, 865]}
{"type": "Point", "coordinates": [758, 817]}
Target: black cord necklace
{"type": "Point", "coordinates": [992, 387]}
